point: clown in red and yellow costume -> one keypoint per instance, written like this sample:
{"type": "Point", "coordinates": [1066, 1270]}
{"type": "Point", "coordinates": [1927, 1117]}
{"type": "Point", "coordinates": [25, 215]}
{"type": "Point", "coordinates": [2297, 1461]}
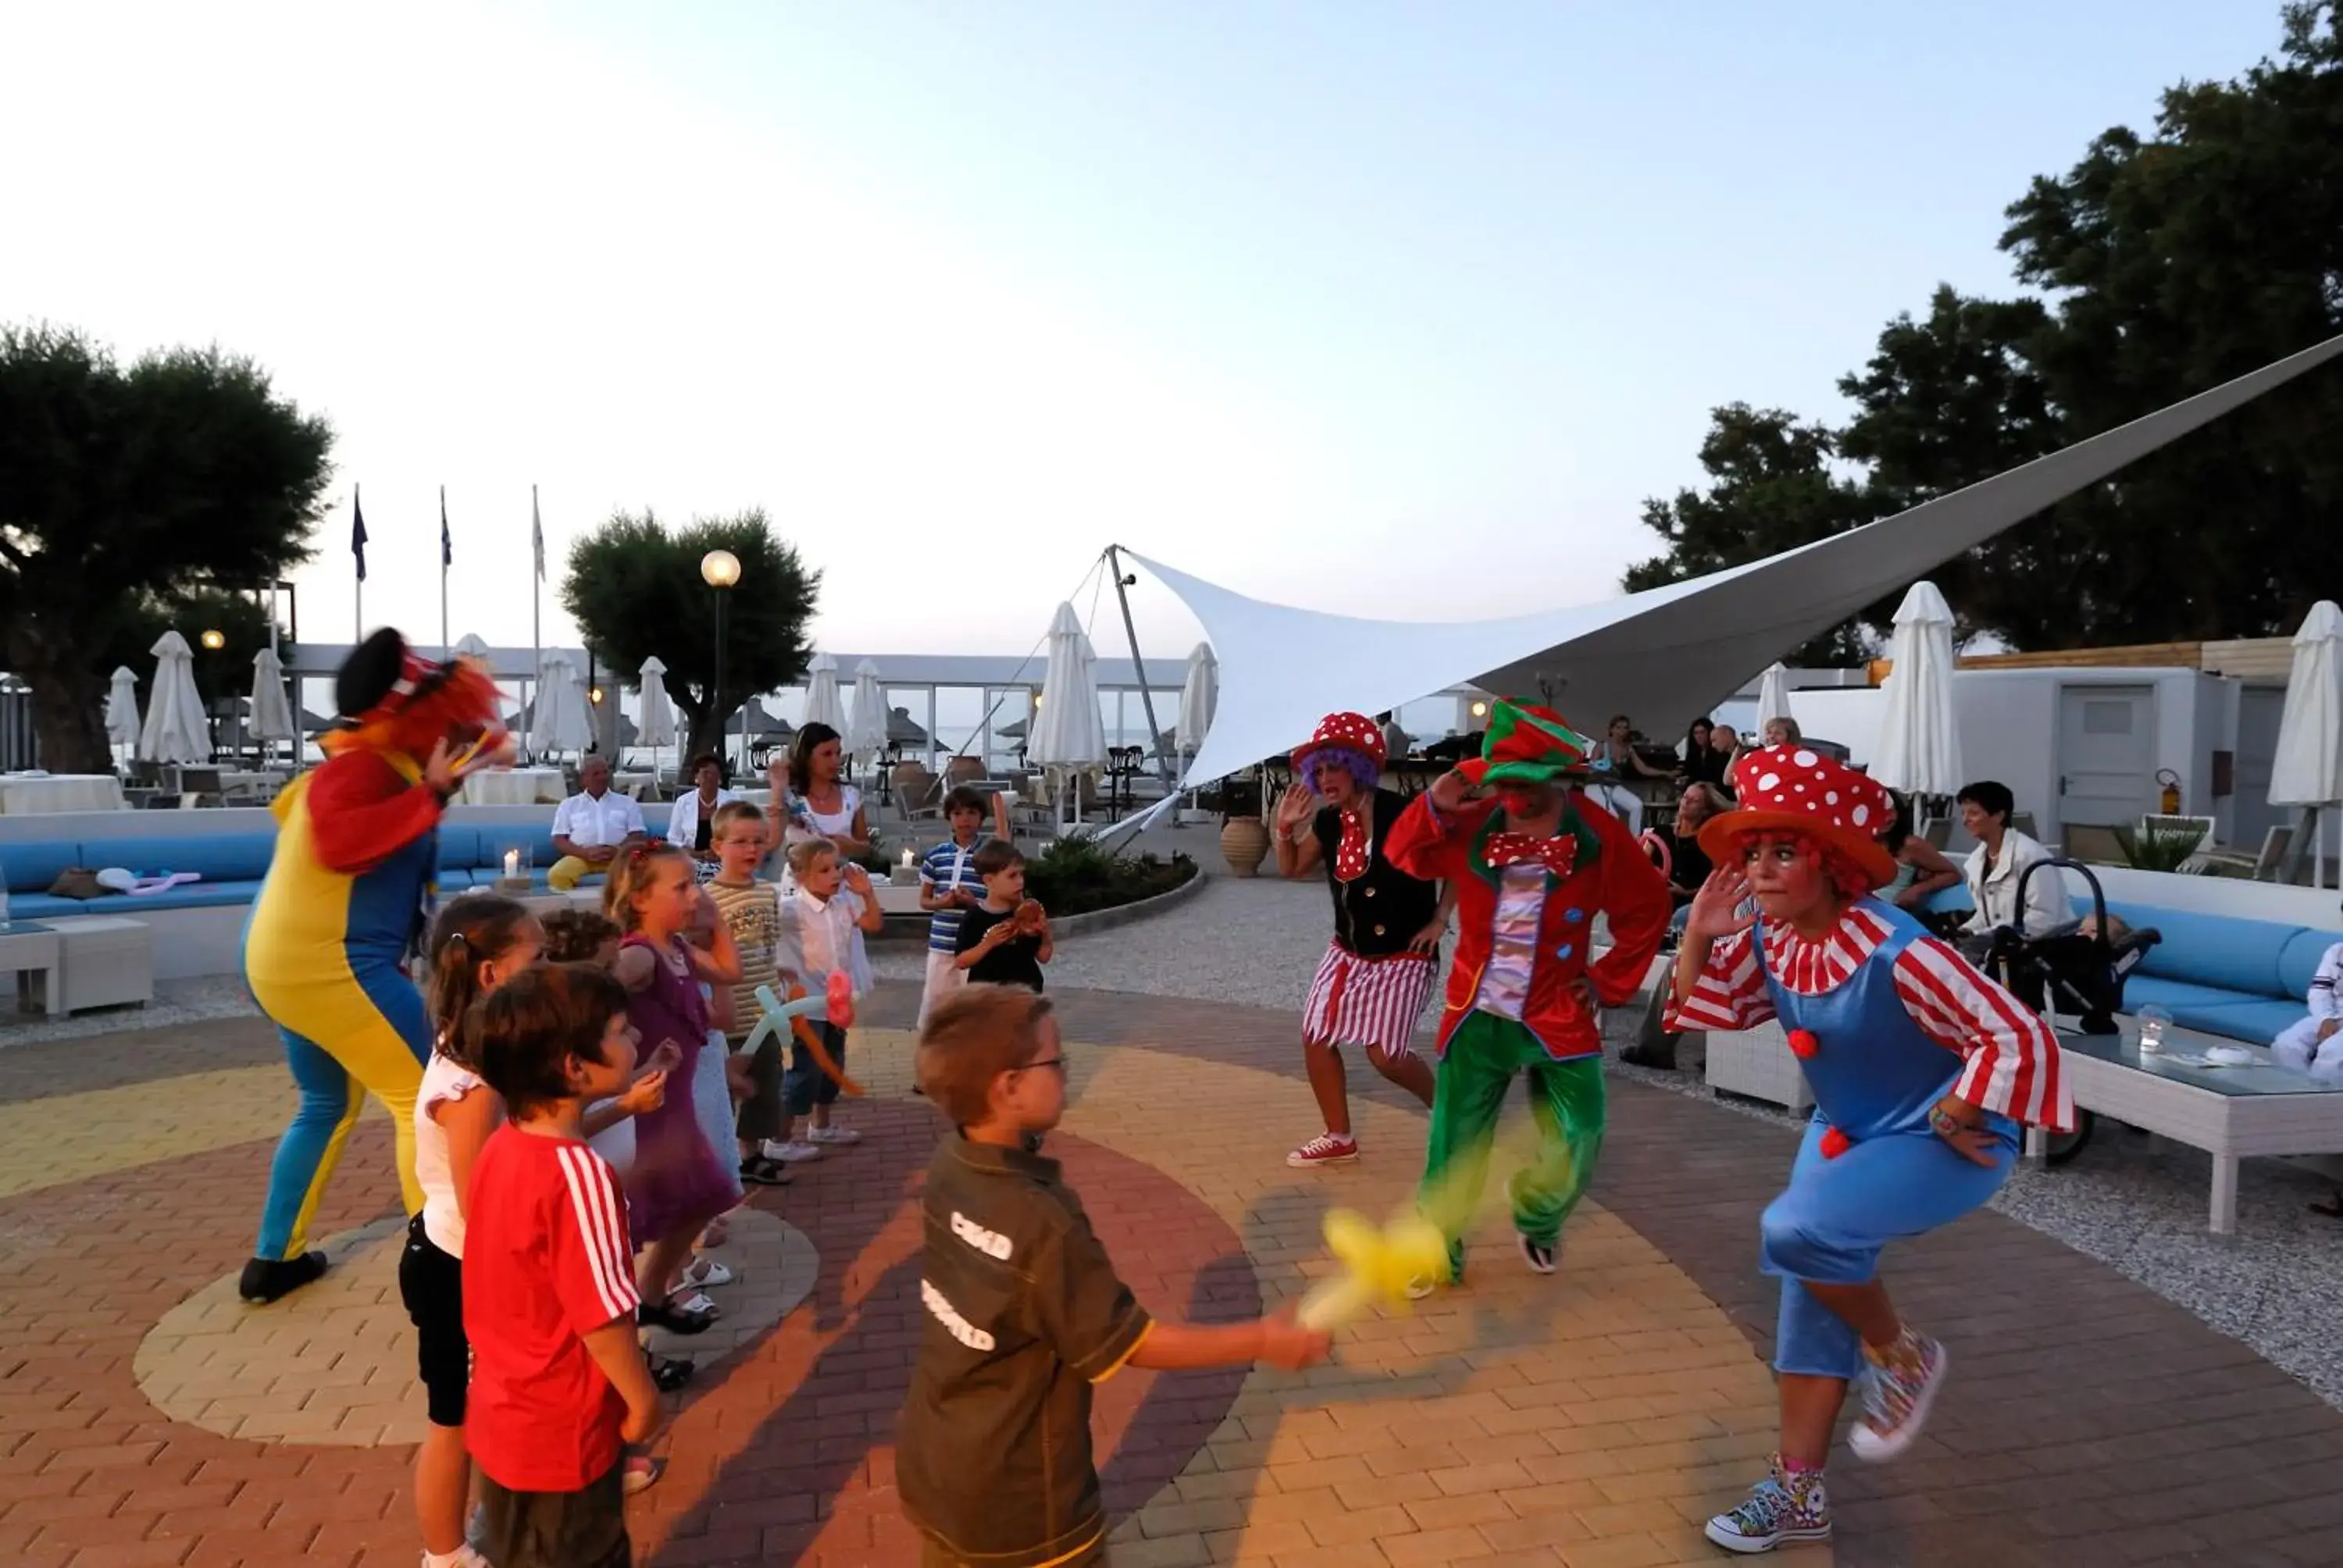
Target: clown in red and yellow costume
{"type": "Point", "coordinates": [326, 950]}
{"type": "Point", "coordinates": [1923, 1072]}
{"type": "Point", "coordinates": [1530, 866]}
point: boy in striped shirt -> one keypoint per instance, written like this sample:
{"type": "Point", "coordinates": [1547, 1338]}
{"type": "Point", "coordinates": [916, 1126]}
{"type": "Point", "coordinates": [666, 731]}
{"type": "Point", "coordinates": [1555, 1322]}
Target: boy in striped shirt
{"type": "Point", "coordinates": [949, 886]}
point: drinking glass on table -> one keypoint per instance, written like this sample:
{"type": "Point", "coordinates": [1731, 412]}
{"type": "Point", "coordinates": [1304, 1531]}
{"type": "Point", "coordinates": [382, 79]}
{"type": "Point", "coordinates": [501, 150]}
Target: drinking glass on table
{"type": "Point", "coordinates": [2152, 1021]}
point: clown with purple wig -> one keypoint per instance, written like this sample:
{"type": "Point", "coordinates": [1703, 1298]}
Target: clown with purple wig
{"type": "Point", "coordinates": [1376, 975]}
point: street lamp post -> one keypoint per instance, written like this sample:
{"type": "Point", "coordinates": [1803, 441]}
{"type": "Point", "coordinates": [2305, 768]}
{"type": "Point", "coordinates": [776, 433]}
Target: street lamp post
{"type": "Point", "coordinates": [720, 569]}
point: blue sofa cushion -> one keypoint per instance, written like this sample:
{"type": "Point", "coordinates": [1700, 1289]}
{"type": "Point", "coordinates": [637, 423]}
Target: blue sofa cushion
{"type": "Point", "coordinates": [2173, 995]}
{"type": "Point", "coordinates": [459, 849]}
{"type": "Point", "coordinates": [186, 896]}
{"type": "Point", "coordinates": [2256, 1022]}
{"type": "Point", "coordinates": [221, 857]}
{"type": "Point", "coordinates": [2299, 960]}
{"type": "Point", "coordinates": [33, 867]}
{"type": "Point", "coordinates": [2212, 950]}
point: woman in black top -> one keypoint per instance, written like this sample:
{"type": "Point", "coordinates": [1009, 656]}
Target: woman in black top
{"type": "Point", "coordinates": [1376, 975]}
{"type": "Point", "coordinates": [1702, 764]}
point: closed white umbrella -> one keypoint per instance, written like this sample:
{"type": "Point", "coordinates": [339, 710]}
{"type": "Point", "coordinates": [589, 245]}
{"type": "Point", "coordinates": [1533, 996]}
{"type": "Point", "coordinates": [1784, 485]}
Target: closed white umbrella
{"type": "Point", "coordinates": [560, 723]}
{"type": "Point", "coordinates": [657, 726]}
{"type": "Point", "coordinates": [1773, 696]}
{"type": "Point", "coordinates": [2308, 767]}
{"type": "Point", "coordinates": [866, 726]}
{"type": "Point", "coordinates": [472, 644]}
{"type": "Point", "coordinates": [122, 708]}
{"type": "Point", "coordinates": [272, 712]}
{"type": "Point", "coordinates": [1918, 747]}
{"type": "Point", "coordinates": [1068, 739]}
{"type": "Point", "coordinates": [822, 706]}
{"type": "Point", "coordinates": [1198, 697]}
{"type": "Point", "coordinates": [174, 730]}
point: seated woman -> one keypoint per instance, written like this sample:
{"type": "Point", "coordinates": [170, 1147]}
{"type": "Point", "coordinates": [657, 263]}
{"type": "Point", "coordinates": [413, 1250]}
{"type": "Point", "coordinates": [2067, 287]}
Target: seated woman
{"type": "Point", "coordinates": [1702, 763]}
{"type": "Point", "coordinates": [1922, 869]}
{"type": "Point", "coordinates": [1688, 863]}
{"type": "Point", "coordinates": [1615, 760]}
{"type": "Point", "coordinates": [1921, 1069]}
{"type": "Point", "coordinates": [1998, 863]}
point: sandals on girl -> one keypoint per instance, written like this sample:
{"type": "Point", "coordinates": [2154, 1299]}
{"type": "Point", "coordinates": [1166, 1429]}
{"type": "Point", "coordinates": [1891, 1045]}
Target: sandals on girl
{"type": "Point", "coordinates": [704, 1274]}
{"type": "Point", "coordinates": [670, 1375]}
{"type": "Point", "coordinates": [642, 1470]}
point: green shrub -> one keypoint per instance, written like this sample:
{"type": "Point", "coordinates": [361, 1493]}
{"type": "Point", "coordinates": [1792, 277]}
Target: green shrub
{"type": "Point", "coordinates": [2158, 848]}
{"type": "Point", "coordinates": [1076, 876]}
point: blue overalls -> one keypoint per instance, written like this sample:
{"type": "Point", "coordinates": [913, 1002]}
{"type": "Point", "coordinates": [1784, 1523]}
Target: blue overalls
{"type": "Point", "coordinates": [1875, 1077]}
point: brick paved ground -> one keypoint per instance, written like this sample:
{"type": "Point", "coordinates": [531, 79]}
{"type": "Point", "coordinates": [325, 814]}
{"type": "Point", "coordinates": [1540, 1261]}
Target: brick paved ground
{"type": "Point", "coordinates": [1592, 1418]}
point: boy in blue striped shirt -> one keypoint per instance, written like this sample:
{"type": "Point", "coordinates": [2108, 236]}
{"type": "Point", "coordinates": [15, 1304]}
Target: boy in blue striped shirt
{"type": "Point", "coordinates": [949, 884]}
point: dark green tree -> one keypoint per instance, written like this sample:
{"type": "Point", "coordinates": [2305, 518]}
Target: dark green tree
{"type": "Point", "coordinates": [120, 487]}
{"type": "Point", "coordinates": [1772, 489]}
{"type": "Point", "coordinates": [635, 590]}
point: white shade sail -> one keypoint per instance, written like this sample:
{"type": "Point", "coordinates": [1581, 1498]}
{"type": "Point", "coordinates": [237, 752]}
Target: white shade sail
{"type": "Point", "coordinates": [1665, 655]}
{"type": "Point", "coordinates": [1918, 747]}
{"type": "Point", "coordinates": [272, 712]}
{"type": "Point", "coordinates": [2308, 767]}
{"type": "Point", "coordinates": [822, 704]}
{"type": "Point", "coordinates": [122, 708]}
{"type": "Point", "coordinates": [866, 725]}
{"type": "Point", "coordinates": [1772, 696]}
{"type": "Point", "coordinates": [559, 722]}
{"type": "Point", "coordinates": [174, 730]}
{"type": "Point", "coordinates": [658, 725]}
{"type": "Point", "coordinates": [1198, 697]}
{"type": "Point", "coordinates": [1068, 734]}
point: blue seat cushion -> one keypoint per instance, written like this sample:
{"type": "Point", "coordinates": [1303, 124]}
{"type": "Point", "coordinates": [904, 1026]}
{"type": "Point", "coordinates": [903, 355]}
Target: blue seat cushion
{"type": "Point", "coordinates": [49, 906]}
{"type": "Point", "coordinates": [2256, 1022]}
{"type": "Point", "coordinates": [186, 896]}
{"type": "Point", "coordinates": [220, 857]}
{"type": "Point", "coordinates": [2142, 990]}
{"type": "Point", "coordinates": [459, 849]}
{"type": "Point", "coordinates": [456, 879]}
{"type": "Point", "coordinates": [2298, 961]}
{"type": "Point", "coordinates": [34, 868]}
{"type": "Point", "coordinates": [2212, 950]}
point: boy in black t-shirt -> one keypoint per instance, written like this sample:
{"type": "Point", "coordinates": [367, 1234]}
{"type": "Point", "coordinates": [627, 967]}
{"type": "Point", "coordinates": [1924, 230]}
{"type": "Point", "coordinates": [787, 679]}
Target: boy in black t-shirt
{"type": "Point", "coordinates": [1005, 940]}
{"type": "Point", "coordinates": [1022, 1310]}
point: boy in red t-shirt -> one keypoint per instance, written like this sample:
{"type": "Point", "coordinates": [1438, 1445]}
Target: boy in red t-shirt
{"type": "Point", "coordinates": [559, 1381]}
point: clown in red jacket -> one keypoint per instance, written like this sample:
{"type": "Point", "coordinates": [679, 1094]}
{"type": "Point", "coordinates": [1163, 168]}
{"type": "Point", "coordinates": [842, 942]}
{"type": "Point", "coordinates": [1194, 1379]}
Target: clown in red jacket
{"type": "Point", "coordinates": [327, 949]}
{"type": "Point", "coordinates": [1532, 866]}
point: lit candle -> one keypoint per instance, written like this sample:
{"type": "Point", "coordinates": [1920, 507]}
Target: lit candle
{"type": "Point", "coordinates": [910, 860]}
{"type": "Point", "coordinates": [512, 863]}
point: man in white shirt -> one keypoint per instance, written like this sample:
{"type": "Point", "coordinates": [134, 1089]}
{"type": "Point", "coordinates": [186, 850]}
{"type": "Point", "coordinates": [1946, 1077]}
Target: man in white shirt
{"type": "Point", "coordinates": [1999, 860]}
{"type": "Point", "coordinates": [2315, 1044]}
{"type": "Point", "coordinates": [594, 825]}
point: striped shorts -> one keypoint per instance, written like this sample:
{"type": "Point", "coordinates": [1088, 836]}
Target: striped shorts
{"type": "Point", "coordinates": [1372, 1003]}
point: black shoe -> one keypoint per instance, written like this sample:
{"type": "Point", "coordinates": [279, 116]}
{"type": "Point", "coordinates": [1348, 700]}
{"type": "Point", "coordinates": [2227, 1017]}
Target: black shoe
{"type": "Point", "coordinates": [267, 1280]}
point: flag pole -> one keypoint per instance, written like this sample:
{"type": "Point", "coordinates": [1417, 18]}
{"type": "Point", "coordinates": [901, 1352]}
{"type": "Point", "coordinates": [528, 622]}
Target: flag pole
{"type": "Point", "coordinates": [536, 602]}
{"type": "Point", "coordinates": [446, 556]}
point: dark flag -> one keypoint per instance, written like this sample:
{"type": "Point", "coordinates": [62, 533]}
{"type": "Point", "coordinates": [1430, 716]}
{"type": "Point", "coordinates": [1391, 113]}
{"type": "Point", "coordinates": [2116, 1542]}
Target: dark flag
{"type": "Point", "coordinates": [358, 532]}
{"type": "Point", "coordinates": [447, 545]}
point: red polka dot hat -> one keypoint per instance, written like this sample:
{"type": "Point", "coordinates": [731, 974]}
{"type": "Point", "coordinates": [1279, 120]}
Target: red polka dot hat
{"type": "Point", "coordinates": [1796, 789]}
{"type": "Point", "coordinates": [1352, 731]}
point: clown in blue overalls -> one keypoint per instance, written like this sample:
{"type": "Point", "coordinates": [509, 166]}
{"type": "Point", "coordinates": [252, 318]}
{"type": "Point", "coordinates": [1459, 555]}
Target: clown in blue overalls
{"type": "Point", "coordinates": [1923, 1072]}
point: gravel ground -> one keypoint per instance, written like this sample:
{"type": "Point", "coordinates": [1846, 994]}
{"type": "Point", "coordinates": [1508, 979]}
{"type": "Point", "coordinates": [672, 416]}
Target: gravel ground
{"type": "Point", "coordinates": [2135, 1202]}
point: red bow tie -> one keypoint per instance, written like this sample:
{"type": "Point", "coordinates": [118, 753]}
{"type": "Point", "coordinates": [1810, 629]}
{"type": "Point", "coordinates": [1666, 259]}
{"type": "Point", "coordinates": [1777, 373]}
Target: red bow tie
{"type": "Point", "coordinates": [1352, 855]}
{"type": "Point", "coordinates": [1557, 855]}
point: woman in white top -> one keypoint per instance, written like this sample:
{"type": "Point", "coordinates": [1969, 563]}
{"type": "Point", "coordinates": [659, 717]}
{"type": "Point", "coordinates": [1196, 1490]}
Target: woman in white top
{"type": "Point", "coordinates": [818, 803]}
{"type": "Point", "coordinates": [690, 825]}
{"type": "Point", "coordinates": [1995, 867]}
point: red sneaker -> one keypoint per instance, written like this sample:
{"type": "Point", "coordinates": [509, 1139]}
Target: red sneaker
{"type": "Point", "coordinates": [1325, 1150]}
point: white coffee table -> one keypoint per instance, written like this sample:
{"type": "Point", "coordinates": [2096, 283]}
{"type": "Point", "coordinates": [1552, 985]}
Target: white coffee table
{"type": "Point", "coordinates": [2231, 1112]}
{"type": "Point", "coordinates": [28, 947]}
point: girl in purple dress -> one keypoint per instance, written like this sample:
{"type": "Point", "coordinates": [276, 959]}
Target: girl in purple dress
{"type": "Point", "coordinates": [678, 1183]}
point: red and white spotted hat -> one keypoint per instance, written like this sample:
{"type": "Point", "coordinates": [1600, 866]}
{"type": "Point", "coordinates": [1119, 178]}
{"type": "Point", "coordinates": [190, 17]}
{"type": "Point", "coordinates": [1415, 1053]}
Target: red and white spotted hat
{"type": "Point", "coordinates": [1352, 731]}
{"type": "Point", "coordinates": [1796, 789]}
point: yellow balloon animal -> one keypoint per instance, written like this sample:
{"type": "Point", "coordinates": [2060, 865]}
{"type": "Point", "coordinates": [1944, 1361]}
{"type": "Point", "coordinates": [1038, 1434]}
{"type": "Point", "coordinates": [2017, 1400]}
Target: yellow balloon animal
{"type": "Point", "coordinates": [1381, 1268]}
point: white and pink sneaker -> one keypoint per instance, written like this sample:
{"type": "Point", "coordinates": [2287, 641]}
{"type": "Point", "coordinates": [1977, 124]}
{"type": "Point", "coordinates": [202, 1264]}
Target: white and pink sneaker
{"type": "Point", "coordinates": [1325, 1150]}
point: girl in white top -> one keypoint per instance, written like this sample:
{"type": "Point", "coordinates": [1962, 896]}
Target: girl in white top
{"type": "Point", "coordinates": [821, 804]}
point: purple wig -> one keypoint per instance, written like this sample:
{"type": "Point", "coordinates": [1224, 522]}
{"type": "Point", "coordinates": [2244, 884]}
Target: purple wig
{"type": "Point", "coordinates": [1350, 759]}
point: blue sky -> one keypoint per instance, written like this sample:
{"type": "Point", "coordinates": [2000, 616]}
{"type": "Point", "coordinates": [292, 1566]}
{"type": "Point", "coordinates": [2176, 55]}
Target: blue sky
{"type": "Point", "coordinates": [1394, 309]}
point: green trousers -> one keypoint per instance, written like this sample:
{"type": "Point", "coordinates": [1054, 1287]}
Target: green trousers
{"type": "Point", "coordinates": [1566, 1101]}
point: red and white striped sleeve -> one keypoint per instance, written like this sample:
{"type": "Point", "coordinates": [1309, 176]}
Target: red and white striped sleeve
{"type": "Point", "coordinates": [593, 1257]}
{"type": "Point", "coordinates": [1730, 993]}
{"type": "Point", "coordinates": [2014, 1066]}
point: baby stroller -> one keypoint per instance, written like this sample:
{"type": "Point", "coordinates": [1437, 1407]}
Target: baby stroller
{"type": "Point", "coordinates": [2069, 969]}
